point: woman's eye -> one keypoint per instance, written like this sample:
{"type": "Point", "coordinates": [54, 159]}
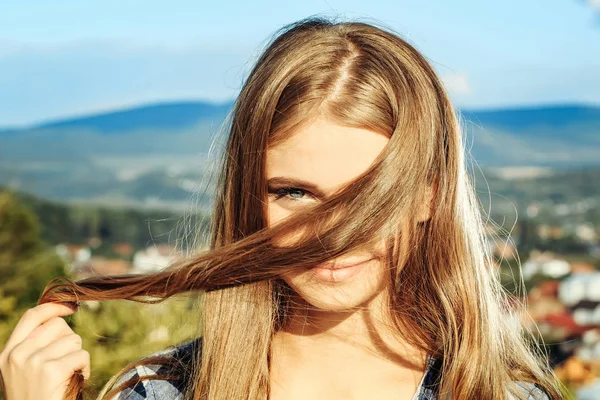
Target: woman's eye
{"type": "Point", "coordinates": [296, 193]}
{"type": "Point", "coordinates": [289, 193]}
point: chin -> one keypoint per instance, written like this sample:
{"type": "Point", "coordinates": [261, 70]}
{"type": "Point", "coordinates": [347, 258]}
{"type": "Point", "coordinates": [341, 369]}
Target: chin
{"type": "Point", "coordinates": [339, 290]}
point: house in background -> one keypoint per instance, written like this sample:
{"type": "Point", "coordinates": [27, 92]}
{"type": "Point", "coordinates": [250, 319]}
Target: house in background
{"type": "Point", "coordinates": [545, 263]}
{"type": "Point", "coordinates": [581, 293]}
{"type": "Point", "coordinates": [101, 266]}
{"type": "Point", "coordinates": [75, 255]}
{"type": "Point", "coordinates": [154, 258]}
{"type": "Point", "coordinates": [124, 250]}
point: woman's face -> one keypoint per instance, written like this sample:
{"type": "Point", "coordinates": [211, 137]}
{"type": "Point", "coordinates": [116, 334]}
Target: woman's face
{"type": "Point", "coordinates": [314, 162]}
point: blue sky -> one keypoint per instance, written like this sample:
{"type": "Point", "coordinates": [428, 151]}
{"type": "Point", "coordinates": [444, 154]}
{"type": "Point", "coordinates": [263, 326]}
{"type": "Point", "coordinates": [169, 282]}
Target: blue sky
{"type": "Point", "coordinates": [68, 58]}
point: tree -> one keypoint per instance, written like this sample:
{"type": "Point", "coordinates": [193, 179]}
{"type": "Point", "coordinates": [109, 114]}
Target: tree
{"type": "Point", "coordinates": [27, 264]}
{"type": "Point", "coordinates": [114, 332]}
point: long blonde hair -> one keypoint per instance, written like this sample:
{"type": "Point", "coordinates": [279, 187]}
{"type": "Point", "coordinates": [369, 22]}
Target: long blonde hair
{"type": "Point", "coordinates": [357, 75]}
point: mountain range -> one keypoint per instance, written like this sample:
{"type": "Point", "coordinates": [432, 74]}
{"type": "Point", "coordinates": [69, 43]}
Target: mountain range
{"type": "Point", "coordinates": [165, 148]}
{"type": "Point", "coordinates": [554, 135]}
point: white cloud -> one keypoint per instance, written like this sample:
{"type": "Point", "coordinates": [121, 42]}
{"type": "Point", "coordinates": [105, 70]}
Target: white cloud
{"type": "Point", "coordinates": [457, 84]}
{"type": "Point", "coordinates": [595, 4]}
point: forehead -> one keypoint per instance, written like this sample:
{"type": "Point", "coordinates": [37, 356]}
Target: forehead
{"type": "Point", "coordinates": [324, 153]}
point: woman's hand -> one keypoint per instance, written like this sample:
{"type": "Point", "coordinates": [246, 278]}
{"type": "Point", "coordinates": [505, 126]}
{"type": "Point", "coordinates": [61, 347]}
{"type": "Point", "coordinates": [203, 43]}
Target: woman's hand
{"type": "Point", "coordinates": [41, 355]}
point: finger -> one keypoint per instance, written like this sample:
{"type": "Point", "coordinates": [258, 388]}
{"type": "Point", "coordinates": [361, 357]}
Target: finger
{"type": "Point", "coordinates": [74, 362]}
{"type": "Point", "coordinates": [50, 330]}
{"type": "Point", "coordinates": [47, 333]}
{"type": "Point", "coordinates": [31, 319]}
{"type": "Point", "coordinates": [54, 351]}
{"type": "Point", "coordinates": [33, 359]}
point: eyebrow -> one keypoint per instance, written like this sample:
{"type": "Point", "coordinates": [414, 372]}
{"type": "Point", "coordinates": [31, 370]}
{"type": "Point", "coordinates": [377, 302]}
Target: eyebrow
{"type": "Point", "coordinates": [297, 183]}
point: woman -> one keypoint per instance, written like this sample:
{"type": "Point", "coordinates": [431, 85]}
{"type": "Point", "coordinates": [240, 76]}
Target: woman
{"type": "Point", "coordinates": [347, 257]}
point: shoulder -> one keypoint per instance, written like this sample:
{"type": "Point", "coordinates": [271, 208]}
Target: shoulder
{"type": "Point", "coordinates": [433, 373]}
{"type": "Point", "coordinates": [160, 381]}
{"type": "Point", "coordinates": [531, 391]}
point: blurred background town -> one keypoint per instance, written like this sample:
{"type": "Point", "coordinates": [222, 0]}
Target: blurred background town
{"type": "Point", "coordinates": [112, 115]}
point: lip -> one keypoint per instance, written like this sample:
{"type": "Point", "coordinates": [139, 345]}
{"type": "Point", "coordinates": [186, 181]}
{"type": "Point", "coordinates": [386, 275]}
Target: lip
{"type": "Point", "coordinates": [340, 271]}
{"type": "Point", "coordinates": [347, 263]}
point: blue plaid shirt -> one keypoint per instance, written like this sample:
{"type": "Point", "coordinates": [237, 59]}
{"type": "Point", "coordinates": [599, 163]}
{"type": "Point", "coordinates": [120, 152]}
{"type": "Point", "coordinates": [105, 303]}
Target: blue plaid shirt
{"type": "Point", "coordinates": [158, 389]}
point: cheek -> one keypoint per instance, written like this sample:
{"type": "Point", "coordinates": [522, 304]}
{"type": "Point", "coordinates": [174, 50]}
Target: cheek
{"type": "Point", "coordinates": [276, 214]}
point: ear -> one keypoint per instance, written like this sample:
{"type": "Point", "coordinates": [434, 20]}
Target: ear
{"type": "Point", "coordinates": [425, 208]}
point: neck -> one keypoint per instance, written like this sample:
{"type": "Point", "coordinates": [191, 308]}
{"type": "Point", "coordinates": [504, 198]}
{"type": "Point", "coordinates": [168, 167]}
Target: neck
{"type": "Point", "coordinates": [366, 330]}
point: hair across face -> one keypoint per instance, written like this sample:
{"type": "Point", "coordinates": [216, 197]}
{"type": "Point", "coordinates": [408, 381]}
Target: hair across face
{"type": "Point", "coordinates": [318, 159]}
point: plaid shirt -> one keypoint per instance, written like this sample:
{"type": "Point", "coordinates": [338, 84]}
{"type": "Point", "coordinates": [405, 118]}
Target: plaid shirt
{"type": "Point", "coordinates": [158, 389]}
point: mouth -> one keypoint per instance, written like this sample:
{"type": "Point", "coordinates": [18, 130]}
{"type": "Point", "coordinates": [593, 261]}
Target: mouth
{"type": "Point", "coordinates": [340, 271]}
{"type": "Point", "coordinates": [344, 263]}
